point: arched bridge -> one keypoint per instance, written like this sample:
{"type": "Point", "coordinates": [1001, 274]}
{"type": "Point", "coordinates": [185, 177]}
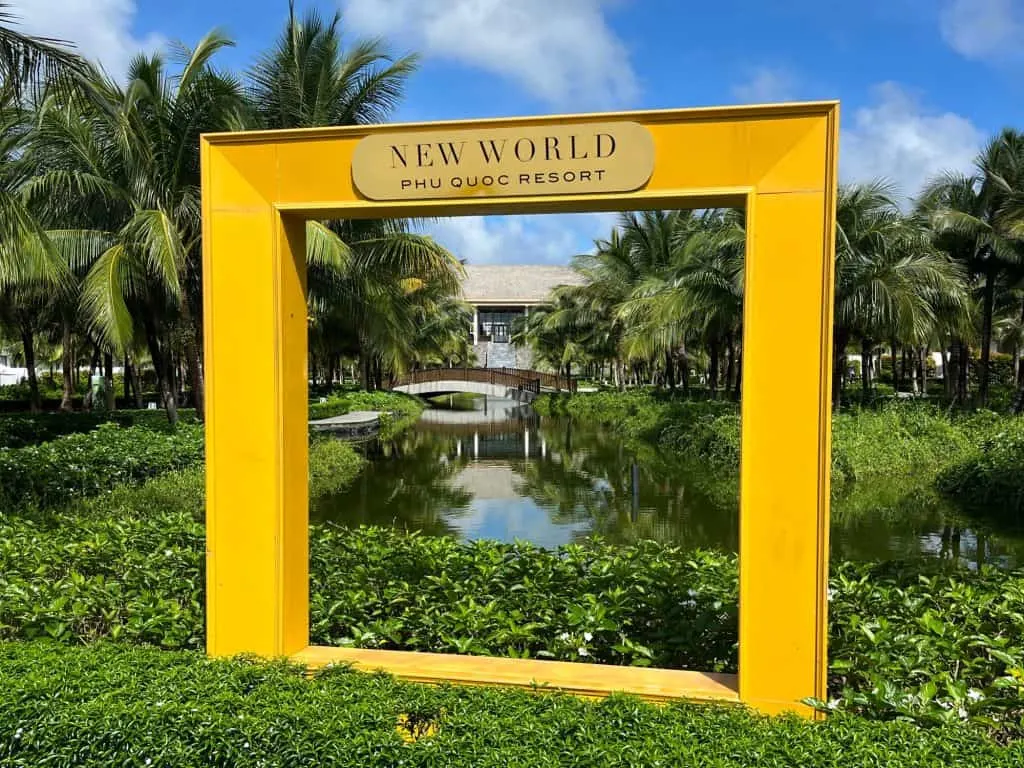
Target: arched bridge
{"type": "Point", "coordinates": [514, 383]}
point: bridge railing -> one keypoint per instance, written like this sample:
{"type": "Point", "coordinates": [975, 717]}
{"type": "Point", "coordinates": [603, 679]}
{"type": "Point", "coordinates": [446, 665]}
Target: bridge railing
{"type": "Point", "coordinates": [547, 380]}
{"type": "Point", "coordinates": [498, 376]}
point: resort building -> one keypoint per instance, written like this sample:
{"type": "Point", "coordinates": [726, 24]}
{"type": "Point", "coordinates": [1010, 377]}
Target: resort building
{"type": "Point", "coordinates": [502, 294]}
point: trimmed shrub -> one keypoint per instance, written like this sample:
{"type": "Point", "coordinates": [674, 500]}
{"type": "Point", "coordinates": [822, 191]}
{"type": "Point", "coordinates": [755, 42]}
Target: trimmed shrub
{"type": "Point", "coordinates": [906, 642]}
{"type": "Point", "coordinates": [108, 705]}
{"type": "Point", "coordinates": [990, 484]}
{"type": "Point", "coordinates": [393, 402]}
{"type": "Point", "coordinates": [21, 429]}
{"type": "Point", "coordinates": [86, 464]}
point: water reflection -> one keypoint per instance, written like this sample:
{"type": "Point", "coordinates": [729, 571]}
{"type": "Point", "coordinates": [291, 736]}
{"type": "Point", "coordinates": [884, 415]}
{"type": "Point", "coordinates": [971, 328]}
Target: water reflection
{"type": "Point", "coordinates": [481, 468]}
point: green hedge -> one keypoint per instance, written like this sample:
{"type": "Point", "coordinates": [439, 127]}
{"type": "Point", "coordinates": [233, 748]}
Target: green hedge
{"type": "Point", "coordinates": [392, 402]}
{"type": "Point", "coordinates": [895, 439]}
{"type": "Point", "coordinates": [990, 484]}
{"type": "Point", "coordinates": [54, 472]}
{"type": "Point", "coordinates": [21, 429]}
{"type": "Point", "coordinates": [912, 641]}
{"type": "Point", "coordinates": [107, 705]}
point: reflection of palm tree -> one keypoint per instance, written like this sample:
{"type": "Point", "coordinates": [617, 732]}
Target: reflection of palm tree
{"type": "Point", "coordinates": [595, 482]}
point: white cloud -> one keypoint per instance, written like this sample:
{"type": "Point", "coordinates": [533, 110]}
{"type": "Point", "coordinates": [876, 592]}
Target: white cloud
{"type": "Point", "coordinates": [550, 239]}
{"type": "Point", "coordinates": [766, 85]}
{"type": "Point", "coordinates": [560, 50]}
{"type": "Point", "coordinates": [896, 138]}
{"type": "Point", "coordinates": [101, 30]}
{"type": "Point", "coordinates": [989, 30]}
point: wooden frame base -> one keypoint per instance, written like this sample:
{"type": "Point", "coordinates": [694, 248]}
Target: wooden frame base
{"type": "Point", "coordinates": [589, 680]}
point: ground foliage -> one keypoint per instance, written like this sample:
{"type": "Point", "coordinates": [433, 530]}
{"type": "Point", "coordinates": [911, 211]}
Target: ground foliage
{"type": "Point", "coordinates": [116, 705]}
{"type": "Point", "coordinates": [989, 483]}
{"type": "Point", "coordinates": [895, 438]}
{"type": "Point", "coordinates": [915, 641]}
{"type": "Point", "coordinates": [20, 429]}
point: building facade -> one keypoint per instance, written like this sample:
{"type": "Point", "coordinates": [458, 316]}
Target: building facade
{"type": "Point", "coordinates": [500, 295]}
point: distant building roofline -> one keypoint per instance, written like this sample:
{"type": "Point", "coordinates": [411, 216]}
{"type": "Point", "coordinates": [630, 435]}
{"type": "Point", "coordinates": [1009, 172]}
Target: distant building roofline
{"type": "Point", "coordinates": [515, 284]}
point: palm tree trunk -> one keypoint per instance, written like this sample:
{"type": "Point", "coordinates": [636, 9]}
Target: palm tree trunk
{"type": "Point", "coordinates": [94, 364]}
{"type": "Point", "coordinates": [163, 365]}
{"type": "Point", "coordinates": [895, 372]}
{"type": "Point", "coordinates": [839, 364]}
{"type": "Point", "coordinates": [108, 381]}
{"type": "Point", "coordinates": [364, 373]}
{"type": "Point", "coordinates": [28, 343]}
{"type": "Point", "coordinates": [136, 384]}
{"type": "Point", "coordinates": [737, 394]}
{"type": "Point", "coordinates": [67, 357]}
{"type": "Point", "coordinates": [962, 373]}
{"type": "Point", "coordinates": [947, 371]}
{"type": "Point", "coordinates": [684, 368]}
{"type": "Point", "coordinates": [670, 375]}
{"type": "Point", "coordinates": [865, 368]}
{"type": "Point", "coordinates": [987, 310]}
{"type": "Point", "coordinates": [713, 369]}
{"type": "Point", "coordinates": [924, 370]}
{"type": "Point", "coordinates": [730, 366]}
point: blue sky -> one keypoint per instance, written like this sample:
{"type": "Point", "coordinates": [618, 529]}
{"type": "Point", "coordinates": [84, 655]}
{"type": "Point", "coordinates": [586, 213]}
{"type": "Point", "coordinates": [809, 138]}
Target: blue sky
{"type": "Point", "coordinates": [923, 83]}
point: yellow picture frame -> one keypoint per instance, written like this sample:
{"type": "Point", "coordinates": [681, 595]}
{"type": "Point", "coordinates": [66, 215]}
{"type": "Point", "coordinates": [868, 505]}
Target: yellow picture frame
{"type": "Point", "coordinates": [776, 161]}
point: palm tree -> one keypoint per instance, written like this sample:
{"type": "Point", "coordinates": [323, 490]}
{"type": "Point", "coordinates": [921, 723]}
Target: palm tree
{"type": "Point", "coordinates": [308, 80]}
{"type": "Point", "coordinates": [888, 277]}
{"type": "Point", "coordinates": [696, 293]}
{"type": "Point", "coordinates": [127, 159]}
{"type": "Point", "coordinates": [370, 282]}
{"type": "Point", "coordinates": [27, 60]}
{"type": "Point", "coordinates": [554, 333]}
{"type": "Point", "coordinates": [978, 220]}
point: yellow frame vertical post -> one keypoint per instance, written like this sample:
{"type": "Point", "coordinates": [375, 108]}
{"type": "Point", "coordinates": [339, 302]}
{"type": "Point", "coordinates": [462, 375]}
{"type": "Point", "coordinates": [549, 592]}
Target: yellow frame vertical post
{"type": "Point", "coordinates": [257, 561]}
{"type": "Point", "coordinates": [777, 161]}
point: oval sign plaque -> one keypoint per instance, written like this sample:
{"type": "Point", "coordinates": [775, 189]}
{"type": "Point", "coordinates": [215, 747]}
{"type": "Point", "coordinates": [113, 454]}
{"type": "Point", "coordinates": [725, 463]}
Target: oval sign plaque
{"type": "Point", "coordinates": [578, 158]}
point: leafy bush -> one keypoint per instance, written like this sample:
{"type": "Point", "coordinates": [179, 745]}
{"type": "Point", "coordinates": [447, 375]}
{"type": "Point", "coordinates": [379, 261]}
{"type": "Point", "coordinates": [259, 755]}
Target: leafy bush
{"type": "Point", "coordinates": [107, 705]}
{"type": "Point", "coordinates": [990, 483]}
{"type": "Point", "coordinates": [332, 466]}
{"type": "Point", "coordinates": [393, 402]}
{"type": "Point", "coordinates": [21, 429]}
{"type": "Point", "coordinates": [913, 642]}
{"type": "Point", "coordinates": [86, 464]}
{"type": "Point", "coordinates": [896, 438]}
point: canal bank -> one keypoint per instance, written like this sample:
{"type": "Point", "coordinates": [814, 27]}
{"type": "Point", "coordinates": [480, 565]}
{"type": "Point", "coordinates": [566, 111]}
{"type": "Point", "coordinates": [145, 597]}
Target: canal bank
{"type": "Point", "coordinates": [480, 468]}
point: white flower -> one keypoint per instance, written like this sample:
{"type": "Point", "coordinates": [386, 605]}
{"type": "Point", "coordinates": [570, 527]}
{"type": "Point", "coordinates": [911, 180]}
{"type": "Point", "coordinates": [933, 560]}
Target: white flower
{"type": "Point", "coordinates": [716, 605]}
{"type": "Point", "coordinates": [17, 733]}
{"type": "Point", "coordinates": [583, 651]}
{"type": "Point", "coordinates": [833, 704]}
{"type": "Point", "coordinates": [246, 745]}
{"type": "Point", "coordinates": [587, 637]}
{"type": "Point", "coordinates": [962, 713]}
{"type": "Point", "coordinates": [168, 553]}
{"type": "Point", "coordinates": [975, 695]}
{"type": "Point", "coordinates": [692, 592]}
{"type": "Point", "coordinates": [149, 761]}
{"type": "Point", "coordinates": [831, 593]}
{"type": "Point", "coordinates": [564, 636]}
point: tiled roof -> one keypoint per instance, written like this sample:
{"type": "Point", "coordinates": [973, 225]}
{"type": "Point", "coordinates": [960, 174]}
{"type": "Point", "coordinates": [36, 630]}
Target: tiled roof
{"type": "Point", "coordinates": [514, 283]}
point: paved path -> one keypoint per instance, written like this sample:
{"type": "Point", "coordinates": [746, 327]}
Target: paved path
{"type": "Point", "coordinates": [353, 421]}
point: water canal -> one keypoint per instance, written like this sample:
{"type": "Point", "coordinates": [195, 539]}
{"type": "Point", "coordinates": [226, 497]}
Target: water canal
{"type": "Point", "coordinates": [479, 468]}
